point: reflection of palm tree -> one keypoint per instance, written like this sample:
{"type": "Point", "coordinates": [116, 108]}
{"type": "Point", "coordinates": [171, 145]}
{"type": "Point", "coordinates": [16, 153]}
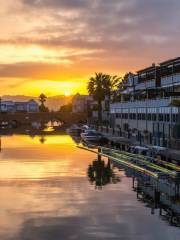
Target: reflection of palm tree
{"type": "Point", "coordinates": [101, 174]}
{"type": "Point", "coordinates": [42, 139]}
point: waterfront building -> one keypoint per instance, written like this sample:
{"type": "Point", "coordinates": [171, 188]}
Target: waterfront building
{"type": "Point", "coordinates": [81, 103]}
{"type": "Point", "coordinates": [147, 106]}
{"type": "Point", "coordinates": [30, 106]}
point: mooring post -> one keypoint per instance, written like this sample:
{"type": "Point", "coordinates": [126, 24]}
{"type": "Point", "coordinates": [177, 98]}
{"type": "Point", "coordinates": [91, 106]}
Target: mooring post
{"type": "Point", "coordinates": [99, 156]}
{"type": "Point", "coordinates": [133, 182]}
{"type": "Point", "coordinates": [157, 195]}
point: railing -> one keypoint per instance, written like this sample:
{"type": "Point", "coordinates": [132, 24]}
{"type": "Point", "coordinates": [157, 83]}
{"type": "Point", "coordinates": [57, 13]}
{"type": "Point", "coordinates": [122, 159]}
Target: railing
{"type": "Point", "coordinates": [161, 102]}
{"type": "Point", "coordinates": [145, 85]}
{"type": "Point", "coordinates": [170, 80]}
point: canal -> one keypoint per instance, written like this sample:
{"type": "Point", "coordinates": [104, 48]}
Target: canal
{"type": "Point", "coordinates": [52, 190]}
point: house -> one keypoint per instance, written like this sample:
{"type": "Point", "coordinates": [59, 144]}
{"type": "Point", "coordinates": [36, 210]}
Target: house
{"type": "Point", "coordinates": [30, 106]}
{"type": "Point", "coordinates": [7, 106]}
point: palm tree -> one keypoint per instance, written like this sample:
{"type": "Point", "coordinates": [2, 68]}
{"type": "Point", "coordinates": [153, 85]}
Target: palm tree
{"type": "Point", "coordinates": [96, 88]}
{"type": "Point", "coordinates": [111, 83]}
{"type": "Point", "coordinates": [42, 99]}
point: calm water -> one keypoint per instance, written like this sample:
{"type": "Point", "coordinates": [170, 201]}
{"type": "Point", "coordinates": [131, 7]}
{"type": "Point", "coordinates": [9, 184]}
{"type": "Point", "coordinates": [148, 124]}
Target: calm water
{"type": "Point", "coordinates": [45, 194]}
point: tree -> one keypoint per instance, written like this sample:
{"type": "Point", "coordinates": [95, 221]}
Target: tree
{"type": "Point", "coordinates": [42, 100]}
{"type": "Point", "coordinates": [111, 84]}
{"type": "Point", "coordinates": [66, 108]}
{"type": "Point", "coordinates": [96, 88]}
{"type": "Point", "coordinates": [101, 86]}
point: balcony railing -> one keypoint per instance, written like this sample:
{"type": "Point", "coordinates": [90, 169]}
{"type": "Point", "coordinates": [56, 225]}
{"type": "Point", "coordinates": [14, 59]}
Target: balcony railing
{"type": "Point", "coordinates": [148, 103]}
{"type": "Point", "coordinates": [170, 80]}
{"type": "Point", "coordinates": [145, 85]}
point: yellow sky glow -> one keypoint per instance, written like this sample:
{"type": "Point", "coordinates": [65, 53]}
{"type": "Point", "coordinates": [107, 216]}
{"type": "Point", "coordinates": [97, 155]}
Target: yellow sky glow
{"type": "Point", "coordinates": [55, 46]}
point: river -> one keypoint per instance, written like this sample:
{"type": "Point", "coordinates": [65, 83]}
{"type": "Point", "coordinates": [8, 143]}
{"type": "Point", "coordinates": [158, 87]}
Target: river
{"type": "Point", "coordinates": [49, 190]}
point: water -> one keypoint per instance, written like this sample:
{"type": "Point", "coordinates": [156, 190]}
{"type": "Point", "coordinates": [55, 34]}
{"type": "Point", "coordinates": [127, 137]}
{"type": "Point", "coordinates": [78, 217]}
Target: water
{"type": "Point", "coordinates": [45, 194]}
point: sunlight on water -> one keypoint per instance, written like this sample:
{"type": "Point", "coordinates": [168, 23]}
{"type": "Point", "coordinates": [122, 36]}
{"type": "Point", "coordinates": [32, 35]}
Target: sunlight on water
{"type": "Point", "coordinates": [39, 157]}
{"type": "Point", "coordinates": [47, 195]}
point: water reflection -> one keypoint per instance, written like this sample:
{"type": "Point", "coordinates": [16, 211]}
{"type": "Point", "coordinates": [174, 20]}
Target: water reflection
{"type": "Point", "coordinates": [162, 195]}
{"type": "Point", "coordinates": [42, 139]}
{"type": "Point", "coordinates": [46, 195]}
{"type": "Point", "coordinates": [101, 173]}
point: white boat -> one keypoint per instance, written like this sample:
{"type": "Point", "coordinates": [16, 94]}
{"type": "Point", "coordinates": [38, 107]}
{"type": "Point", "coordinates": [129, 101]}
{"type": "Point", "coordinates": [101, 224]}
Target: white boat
{"type": "Point", "coordinates": [139, 150]}
{"type": "Point", "coordinates": [85, 132]}
{"type": "Point", "coordinates": [85, 127]}
{"type": "Point", "coordinates": [74, 129]}
{"type": "Point", "coordinates": [92, 136]}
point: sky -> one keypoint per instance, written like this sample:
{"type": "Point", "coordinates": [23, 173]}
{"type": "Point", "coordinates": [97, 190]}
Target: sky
{"type": "Point", "coordinates": [55, 46]}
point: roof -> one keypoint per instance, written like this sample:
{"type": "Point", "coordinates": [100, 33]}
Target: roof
{"type": "Point", "coordinates": [153, 67]}
{"type": "Point", "coordinates": [27, 102]}
{"type": "Point", "coordinates": [7, 102]}
{"type": "Point", "coordinates": [170, 61]}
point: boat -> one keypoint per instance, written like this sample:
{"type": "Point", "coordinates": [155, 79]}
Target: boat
{"type": "Point", "coordinates": [92, 135]}
{"type": "Point", "coordinates": [74, 130]}
{"type": "Point", "coordinates": [86, 131]}
{"type": "Point", "coordinates": [139, 150]}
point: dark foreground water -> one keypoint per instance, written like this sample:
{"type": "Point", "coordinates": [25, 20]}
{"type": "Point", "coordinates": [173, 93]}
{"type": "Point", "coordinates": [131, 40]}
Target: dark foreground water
{"type": "Point", "coordinates": [45, 194]}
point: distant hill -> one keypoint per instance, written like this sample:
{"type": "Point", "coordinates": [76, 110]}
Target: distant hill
{"type": "Point", "coordinates": [53, 103]}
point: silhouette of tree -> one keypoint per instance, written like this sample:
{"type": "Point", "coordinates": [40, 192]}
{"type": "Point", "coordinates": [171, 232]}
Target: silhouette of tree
{"type": "Point", "coordinates": [42, 139]}
{"type": "Point", "coordinates": [111, 84]}
{"type": "Point", "coordinates": [66, 108]}
{"type": "Point", "coordinates": [102, 85]}
{"type": "Point", "coordinates": [96, 88]}
{"type": "Point", "coordinates": [42, 99]}
{"type": "Point", "coordinates": [101, 174]}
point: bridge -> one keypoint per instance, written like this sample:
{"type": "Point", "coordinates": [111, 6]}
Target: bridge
{"type": "Point", "coordinates": [28, 118]}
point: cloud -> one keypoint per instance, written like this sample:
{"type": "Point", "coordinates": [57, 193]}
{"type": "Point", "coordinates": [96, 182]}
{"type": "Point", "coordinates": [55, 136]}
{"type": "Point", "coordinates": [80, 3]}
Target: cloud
{"type": "Point", "coordinates": [106, 35]}
{"type": "Point", "coordinates": [66, 4]}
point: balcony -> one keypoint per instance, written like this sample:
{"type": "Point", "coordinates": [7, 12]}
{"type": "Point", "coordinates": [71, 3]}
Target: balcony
{"type": "Point", "coordinates": [148, 103]}
{"type": "Point", "coordinates": [146, 85]}
{"type": "Point", "coordinates": [170, 80]}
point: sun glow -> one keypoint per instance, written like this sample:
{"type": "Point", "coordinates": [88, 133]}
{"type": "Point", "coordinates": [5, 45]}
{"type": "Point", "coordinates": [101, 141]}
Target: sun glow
{"type": "Point", "coordinates": [67, 93]}
{"type": "Point", "coordinates": [48, 87]}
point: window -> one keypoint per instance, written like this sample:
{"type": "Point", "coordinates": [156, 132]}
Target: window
{"type": "Point", "coordinates": [149, 117]}
{"type": "Point", "coordinates": [160, 117]}
{"type": "Point", "coordinates": [154, 117]}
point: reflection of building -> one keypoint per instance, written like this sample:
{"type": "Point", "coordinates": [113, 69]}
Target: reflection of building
{"type": "Point", "coordinates": [10, 106]}
{"type": "Point", "coordinates": [160, 192]}
{"type": "Point", "coordinates": [147, 107]}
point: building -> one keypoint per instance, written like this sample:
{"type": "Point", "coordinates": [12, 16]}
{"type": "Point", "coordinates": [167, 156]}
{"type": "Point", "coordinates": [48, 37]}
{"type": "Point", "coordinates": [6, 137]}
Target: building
{"type": "Point", "coordinates": [30, 106]}
{"type": "Point", "coordinates": [148, 105]}
{"type": "Point", "coordinates": [7, 106]}
{"type": "Point", "coordinates": [81, 103]}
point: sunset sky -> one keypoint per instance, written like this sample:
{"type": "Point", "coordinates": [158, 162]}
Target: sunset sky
{"type": "Point", "coordinates": [54, 46]}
